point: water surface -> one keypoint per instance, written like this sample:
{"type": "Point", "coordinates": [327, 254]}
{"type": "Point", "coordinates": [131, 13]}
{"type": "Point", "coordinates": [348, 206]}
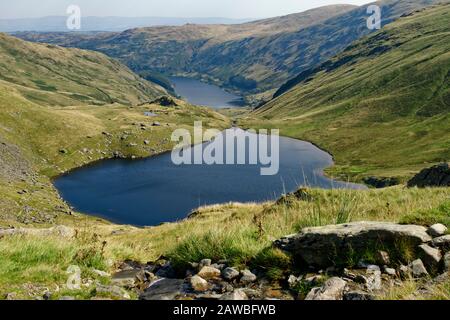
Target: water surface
{"type": "Point", "coordinates": [200, 93]}
{"type": "Point", "coordinates": [151, 191]}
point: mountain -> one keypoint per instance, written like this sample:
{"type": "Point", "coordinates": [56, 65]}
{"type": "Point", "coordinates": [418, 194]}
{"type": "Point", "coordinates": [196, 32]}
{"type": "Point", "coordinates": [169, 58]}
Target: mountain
{"type": "Point", "coordinates": [52, 75]}
{"type": "Point", "coordinates": [250, 58]}
{"type": "Point", "coordinates": [117, 24]}
{"type": "Point", "coordinates": [383, 105]}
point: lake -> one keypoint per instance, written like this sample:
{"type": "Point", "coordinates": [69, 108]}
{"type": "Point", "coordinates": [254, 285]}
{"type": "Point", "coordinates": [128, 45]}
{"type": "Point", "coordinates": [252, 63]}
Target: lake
{"type": "Point", "coordinates": [200, 93]}
{"type": "Point", "coordinates": [150, 191]}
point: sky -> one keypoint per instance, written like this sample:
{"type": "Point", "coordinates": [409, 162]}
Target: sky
{"type": "Point", "coordinates": [238, 9]}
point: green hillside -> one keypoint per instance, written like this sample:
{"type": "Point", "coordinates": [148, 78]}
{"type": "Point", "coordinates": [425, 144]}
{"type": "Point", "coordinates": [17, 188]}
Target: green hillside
{"type": "Point", "coordinates": [251, 58]}
{"type": "Point", "coordinates": [382, 106]}
{"type": "Point", "coordinates": [53, 75]}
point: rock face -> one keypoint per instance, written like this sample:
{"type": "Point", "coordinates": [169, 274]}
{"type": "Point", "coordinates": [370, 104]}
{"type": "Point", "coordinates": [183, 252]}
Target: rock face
{"type": "Point", "coordinates": [437, 176]}
{"type": "Point", "coordinates": [325, 246]}
{"type": "Point", "coordinates": [165, 101]}
{"type": "Point", "coordinates": [332, 289]}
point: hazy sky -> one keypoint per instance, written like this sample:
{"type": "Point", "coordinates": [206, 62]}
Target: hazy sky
{"type": "Point", "coordinates": [164, 8]}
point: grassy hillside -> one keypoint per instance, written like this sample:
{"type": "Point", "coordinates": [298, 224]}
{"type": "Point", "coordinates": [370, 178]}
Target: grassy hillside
{"type": "Point", "coordinates": [382, 106]}
{"type": "Point", "coordinates": [52, 75]}
{"type": "Point", "coordinates": [252, 58]}
{"type": "Point", "coordinates": [63, 108]}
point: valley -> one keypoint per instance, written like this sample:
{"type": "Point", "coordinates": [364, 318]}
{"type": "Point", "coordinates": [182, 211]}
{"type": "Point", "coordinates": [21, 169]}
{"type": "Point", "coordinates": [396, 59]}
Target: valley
{"type": "Point", "coordinates": [76, 123]}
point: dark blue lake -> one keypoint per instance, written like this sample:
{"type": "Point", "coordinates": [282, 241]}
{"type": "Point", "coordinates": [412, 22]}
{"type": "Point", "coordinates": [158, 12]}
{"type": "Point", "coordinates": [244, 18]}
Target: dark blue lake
{"type": "Point", "coordinates": [154, 190]}
{"type": "Point", "coordinates": [200, 93]}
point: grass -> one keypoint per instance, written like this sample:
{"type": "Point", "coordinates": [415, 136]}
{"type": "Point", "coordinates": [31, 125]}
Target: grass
{"type": "Point", "coordinates": [218, 232]}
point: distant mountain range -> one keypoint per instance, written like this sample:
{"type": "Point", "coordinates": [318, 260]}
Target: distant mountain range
{"type": "Point", "coordinates": [116, 24]}
{"type": "Point", "coordinates": [254, 58]}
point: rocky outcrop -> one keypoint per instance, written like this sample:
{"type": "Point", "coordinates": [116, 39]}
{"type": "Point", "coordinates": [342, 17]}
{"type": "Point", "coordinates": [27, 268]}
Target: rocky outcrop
{"type": "Point", "coordinates": [381, 182]}
{"type": "Point", "coordinates": [437, 176]}
{"type": "Point", "coordinates": [165, 101]}
{"type": "Point", "coordinates": [61, 231]}
{"type": "Point", "coordinates": [334, 245]}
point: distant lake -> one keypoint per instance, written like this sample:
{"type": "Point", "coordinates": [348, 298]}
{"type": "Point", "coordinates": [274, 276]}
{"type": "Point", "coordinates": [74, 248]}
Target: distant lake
{"type": "Point", "coordinates": [150, 191]}
{"type": "Point", "coordinates": [200, 93]}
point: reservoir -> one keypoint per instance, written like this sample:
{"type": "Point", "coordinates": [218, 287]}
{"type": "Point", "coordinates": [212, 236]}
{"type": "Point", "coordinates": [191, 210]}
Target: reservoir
{"type": "Point", "coordinates": [154, 190]}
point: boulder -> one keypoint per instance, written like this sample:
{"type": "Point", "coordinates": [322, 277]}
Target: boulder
{"type": "Point", "coordinates": [373, 278]}
{"type": "Point", "coordinates": [247, 276]}
{"type": "Point", "coordinates": [164, 289]}
{"type": "Point", "coordinates": [436, 176]}
{"type": "Point", "coordinates": [332, 289]}
{"type": "Point", "coordinates": [115, 292]}
{"type": "Point", "coordinates": [418, 269]}
{"type": "Point", "coordinates": [430, 257]}
{"type": "Point", "coordinates": [437, 230]}
{"type": "Point", "coordinates": [230, 274]}
{"type": "Point", "coordinates": [209, 273]}
{"type": "Point", "coordinates": [333, 245]}
{"type": "Point", "coordinates": [199, 284]}
{"type": "Point", "coordinates": [390, 271]}
{"type": "Point", "coordinates": [442, 243]}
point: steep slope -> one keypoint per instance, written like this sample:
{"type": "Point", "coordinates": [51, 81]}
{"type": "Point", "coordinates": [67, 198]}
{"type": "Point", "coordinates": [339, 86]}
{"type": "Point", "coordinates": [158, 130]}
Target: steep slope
{"type": "Point", "coordinates": [53, 75]}
{"type": "Point", "coordinates": [383, 105]}
{"type": "Point", "coordinates": [251, 58]}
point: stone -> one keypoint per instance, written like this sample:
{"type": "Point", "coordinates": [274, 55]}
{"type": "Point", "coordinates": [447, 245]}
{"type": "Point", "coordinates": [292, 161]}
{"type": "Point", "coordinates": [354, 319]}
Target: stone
{"type": "Point", "coordinates": [293, 281]}
{"type": "Point", "coordinates": [358, 296]}
{"type": "Point", "coordinates": [199, 284]}
{"type": "Point", "coordinates": [156, 124]}
{"type": "Point", "coordinates": [383, 258]}
{"type": "Point", "coordinates": [418, 269]}
{"type": "Point", "coordinates": [247, 276]}
{"type": "Point", "coordinates": [47, 295]}
{"type": "Point", "coordinates": [437, 230]}
{"type": "Point", "coordinates": [11, 296]}
{"type": "Point", "coordinates": [430, 257]}
{"type": "Point", "coordinates": [205, 262]}
{"type": "Point", "coordinates": [146, 142]}
{"type": "Point", "coordinates": [321, 247]}
{"type": "Point", "coordinates": [230, 273]}
{"type": "Point", "coordinates": [390, 271]}
{"type": "Point", "coordinates": [165, 289]}
{"type": "Point", "coordinates": [236, 295]}
{"type": "Point", "coordinates": [442, 243]}
{"type": "Point", "coordinates": [447, 262]}
{"type": "Point", "coordinates": [208, 273]}
{"type": "Point", "coordinates": [436, 176]}
{"type": "Point", "coordinates": [373, 278]}
{"type": "Point", "coordinates": [332, 289]}
{"type": "Point", "coordinates": [66, 298]}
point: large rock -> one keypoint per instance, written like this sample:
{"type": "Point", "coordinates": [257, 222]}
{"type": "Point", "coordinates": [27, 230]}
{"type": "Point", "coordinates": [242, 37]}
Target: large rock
{"type": "Point", "coordinates": [442, 243]}
{"type": "Point", "coordinates": [332, 289]}
{"type": "Point", "coordinates": [333, 245]}
{"type": "Point", "coordinates": [208, 272]}
{"type": "Point", "coordinates": [437, 230]}
{"type": "Point", "coordinates": [230, 274]}
{"type": "Point", "coordinates": [199, 284]}
{"type": "Point", "coordinates": [430, 257]}
{"type": "Point", "coordinates": [418, 269]}
{"type": "Point", "coordinates": [165, 289]}
{"type": "Point", "coordinates": [437, 176]}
